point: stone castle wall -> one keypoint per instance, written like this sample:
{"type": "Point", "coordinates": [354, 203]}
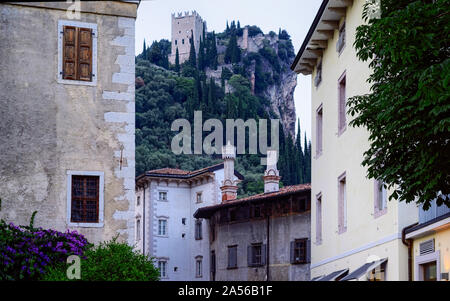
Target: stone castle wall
{"type": "Point", "coordinates": [183, 26]}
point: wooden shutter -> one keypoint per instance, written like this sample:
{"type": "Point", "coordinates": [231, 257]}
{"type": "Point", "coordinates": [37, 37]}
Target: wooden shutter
{"type": "Point", "coordinates": [263, 254]}
{"type": "Point", "coordinates": [85, 54]}
{"type": "Point", "coordinates": [69, 66]}
{"type": "Point", "coordinates": [249, 256]}
{"type": "Point", "coordinates": [292, 252]}
{"type": "Point", "coordinates": [308, 250]}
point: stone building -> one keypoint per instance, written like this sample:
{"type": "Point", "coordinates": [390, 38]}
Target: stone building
{"type": "Point", "coordinates": [166, 200]}
{"type": "Point", "coordinates": [355, 229]}
{"type": "Point", "coordinates": [67, 116]}
{"type": "Point", "coordinates": [261, 237]}
{"type": "Point", "coordinates": [183, 27]}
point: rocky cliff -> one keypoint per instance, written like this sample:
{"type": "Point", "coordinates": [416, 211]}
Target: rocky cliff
{"type": "Point", "coordinates": [266, 58]}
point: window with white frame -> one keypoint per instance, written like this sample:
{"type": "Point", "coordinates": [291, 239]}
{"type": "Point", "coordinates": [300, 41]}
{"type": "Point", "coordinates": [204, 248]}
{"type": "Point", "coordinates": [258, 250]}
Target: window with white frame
{"type": "Point", "coordinates": [199, 197]}
{"type": "Point", "coordinates": [138, 229]}
{"type": "Point", "coordinates": [162, 267]}
{"type": "Point", "coordinates": [162, 227]}
{"type": "Point", "coordinates": [162, 196]}
{"type": "Point", "coordinates": [198, 267]}
{"type": "Point", "coordinates": [85, 198]}
{"type": "Point", "coordinates": [77, 53]}
{"type": "Point", "coordinates": [198, 229]}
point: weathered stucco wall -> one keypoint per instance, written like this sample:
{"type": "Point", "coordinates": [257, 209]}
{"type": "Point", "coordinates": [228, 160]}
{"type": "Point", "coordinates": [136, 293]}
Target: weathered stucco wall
{"type": "Point", "coordinates": [48, 128]}
{"type": "Point", "coordinates": [282, 231]}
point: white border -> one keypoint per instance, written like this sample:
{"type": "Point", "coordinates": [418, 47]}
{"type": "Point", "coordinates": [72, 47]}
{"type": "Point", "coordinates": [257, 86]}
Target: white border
{"type": "Point", "coordinates": [101, 175]}
{"type": "Point", "coordinates": [420, 260]}
{"type": "Point", "coordinates": [92, 26]}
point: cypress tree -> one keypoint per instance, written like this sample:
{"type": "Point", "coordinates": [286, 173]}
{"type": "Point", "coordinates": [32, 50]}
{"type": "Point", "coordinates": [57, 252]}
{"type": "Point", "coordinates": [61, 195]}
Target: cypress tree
{"type": "Point", "coordinates": [144, 52]}
{"type": "Point", "coordinates": [177, 61]}
{"type": "Point", "coordinates": [299, 157]}
{"type": "Point", "coordinates": [192, 55]}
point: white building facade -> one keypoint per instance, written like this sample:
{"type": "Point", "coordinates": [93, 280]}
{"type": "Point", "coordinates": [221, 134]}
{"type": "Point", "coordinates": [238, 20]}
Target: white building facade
{"type": "Point", "coordinates": [166, 200]}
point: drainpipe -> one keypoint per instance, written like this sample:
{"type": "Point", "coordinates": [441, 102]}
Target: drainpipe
{"type": "Point", "coordinates": [408, 243]}
{"type": "Point", "coordinates": [267, 249]}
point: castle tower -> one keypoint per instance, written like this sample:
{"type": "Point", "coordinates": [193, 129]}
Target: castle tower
{"type": "Point", "coordinates": [183, 26]}
{"type": "Point", "coordinates": [229, 186]}
{"type": "Point", "coordinates": [271, 175]}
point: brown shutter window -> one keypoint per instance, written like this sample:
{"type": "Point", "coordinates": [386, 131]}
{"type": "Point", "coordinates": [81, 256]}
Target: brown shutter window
{"type": "Point", "coordinates": [70, 53]}
{"type": "Point", "coordinates": [77, 53]}
{"type": "Point", "coordinates": [85, 54]}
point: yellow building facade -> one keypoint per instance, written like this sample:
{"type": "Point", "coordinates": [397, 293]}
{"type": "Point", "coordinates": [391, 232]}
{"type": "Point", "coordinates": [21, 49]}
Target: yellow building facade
{"type": "Point", "coordinates": [356, 231]}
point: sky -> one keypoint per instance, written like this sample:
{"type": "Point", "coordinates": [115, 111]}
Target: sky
{"type": "Point", "coordinates": [295, 16]}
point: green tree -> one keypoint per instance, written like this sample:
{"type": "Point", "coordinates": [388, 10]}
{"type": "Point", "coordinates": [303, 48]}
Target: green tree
{"type": "Point", "coordinates": [407, 111]}
{"type": "Point", "coordinates": [177, 61]}
{"type": "Point", "coordinates": [192, 54]}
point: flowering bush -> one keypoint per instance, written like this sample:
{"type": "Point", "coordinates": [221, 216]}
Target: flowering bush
{"type": "Point", "coordinates": [26, 252]}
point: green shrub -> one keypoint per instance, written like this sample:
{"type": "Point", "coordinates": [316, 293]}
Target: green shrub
{"type": "Point", "coordinates": [110, 261]}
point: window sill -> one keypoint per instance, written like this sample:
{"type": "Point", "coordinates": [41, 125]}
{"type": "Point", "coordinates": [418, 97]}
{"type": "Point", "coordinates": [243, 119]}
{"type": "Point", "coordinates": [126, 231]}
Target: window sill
{"type": "Point", "coordinates": [77, 82]}
{"type": "Point", "coordinates": [379, 213]}
{"type": "Point", "coordinates": [232, 268]}
{"type": "Point", "coordinates": [162, 236]}
{"type": "Point", "coordinates": [85, 225]}
{"type": "Point", "coordinates": [341, 131]}
{"type": "Point", "coordinates": [299, 262]}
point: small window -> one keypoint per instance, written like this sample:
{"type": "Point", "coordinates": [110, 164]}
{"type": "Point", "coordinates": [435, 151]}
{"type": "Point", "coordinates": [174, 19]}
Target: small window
{"type": "Point", "coordinates": [182, 41]}
{"type": "Point", "coordinates": [341, 40]}
{"type": "Point", "coordinates": [342, 122]}
{"type": "Point", "coordinates": [176, 42]}
{"type": "Point", "coordinates": [319, 130]}
{"type": "Point", "coordinates": [198, 268]}
{"type": "Point", "coordinates": [342, 204]}
{"type": "Point", "coordinates": [162, 227]}
{"type": "Point", "coordinates": [318, 77]}
{"type": "Point", "coordinates": [256, 255]}
{"type": "Point", "coordinates": [138, 202]}
{"type": "Point", "coordinates": [212, 231]}
{"type": "Point", "coordinates": [162, 266]}
{"type": "Point", "coordinates": [85, 199]}
{"type": "Point", "coordinates": [232, 257]}
{"type": "Point", "coordinates": [429, 271]}
{"type": "Point", "coordinates": [319, 219]}
{"type": "Point", "coordinates": [213, 265]}
{"type": "Point", "coordinates": [183, 221]}
{"type": "Point", "coordinates": [138, 229]}
{"type": "Point", "coordinates": [299, 251]}
{"type": "Point", "coordinates": [199, 197]}
{"type": "Point", "coordinates": [163, 196]}
{"type": "Point", "coordinates": [198, 229]}
{"type": "Point", "coordinates": [380, 198]}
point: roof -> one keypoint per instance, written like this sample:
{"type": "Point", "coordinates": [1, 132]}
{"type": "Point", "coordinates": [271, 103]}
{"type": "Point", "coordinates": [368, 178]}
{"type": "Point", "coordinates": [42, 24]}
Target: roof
{"type": "Point", "coordinates": [284, 191]}
{"type": "Point", "coordinates": [333, 276]}
{"type": "Point", "coordinates": [321, 30]}
{"type": "Point", "coordinates": [184, 174]}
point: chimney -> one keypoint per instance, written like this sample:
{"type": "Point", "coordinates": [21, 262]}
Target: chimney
{"type": "Point", "coordinates": [271, 175]}
{"type": "Point", "coordinates": [229, 187]}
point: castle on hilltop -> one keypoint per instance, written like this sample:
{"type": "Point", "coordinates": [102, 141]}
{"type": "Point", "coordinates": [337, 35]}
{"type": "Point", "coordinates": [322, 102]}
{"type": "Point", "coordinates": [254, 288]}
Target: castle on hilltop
{"type": "Point", "coordinates": [183, 27]}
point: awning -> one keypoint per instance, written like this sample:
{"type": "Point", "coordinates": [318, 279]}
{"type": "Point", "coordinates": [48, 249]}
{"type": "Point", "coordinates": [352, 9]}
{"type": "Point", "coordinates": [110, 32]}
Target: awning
{"type": "Point", "coordinates": [333, 276]}
{"type": "Point", "coordinates": [355, 275]}
{"type": "Point", "coordinates": [317, 278]}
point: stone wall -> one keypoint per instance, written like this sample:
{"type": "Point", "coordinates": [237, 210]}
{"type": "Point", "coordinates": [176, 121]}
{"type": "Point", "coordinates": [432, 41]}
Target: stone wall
{"type": "Point", "coordinates": [283, 230]}
{"type": "Point", "coordinates": [48, 128]}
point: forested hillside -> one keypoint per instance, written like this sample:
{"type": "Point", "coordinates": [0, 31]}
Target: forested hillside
{"type": "Point", "coordinates": [217, 81]}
